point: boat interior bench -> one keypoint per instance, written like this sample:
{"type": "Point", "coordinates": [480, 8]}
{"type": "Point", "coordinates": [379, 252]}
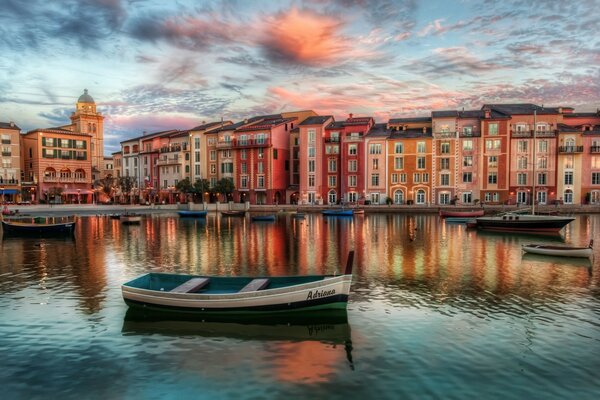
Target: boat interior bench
{"type": "Point", "coordinates": [254, 285]}
{"type": "Point", "coordinates": [192, 285]}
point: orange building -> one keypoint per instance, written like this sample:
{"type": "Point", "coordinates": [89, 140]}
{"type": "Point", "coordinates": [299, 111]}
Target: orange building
{"type": "Point", "coordinates": [410, 158]}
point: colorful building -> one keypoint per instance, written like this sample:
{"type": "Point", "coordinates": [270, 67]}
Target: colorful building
{"type": "Point", "coordinates": [10, 168]}
{"type": "Point", "coordinates": [317, 163]}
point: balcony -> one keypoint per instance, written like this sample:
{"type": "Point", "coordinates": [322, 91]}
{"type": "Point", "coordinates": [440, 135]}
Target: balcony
{"type": "Point", "coordinates": [570, 149]}
{"type": "Point", "coordinates": [168, 160]}
{"type": "Point", "coordinates": [50, 179]}
{"type": "Point", "coordinates": [6, 154]}
{"type": "Point", "coordinates": [332, 140]}
{"type": "Point", "coordinates": [529, 133]}
{"type": "Point", "coordinates": [355, 138]}
{"type": "Point", "coordinates": [239, 144]}
{"type": "Point", "coordinates": [5, 141]}
{"type": "Point", "coordinates": [171, 149]}
{"type": "Point", "coordinates": [445, 135]}
{"type": "Point", "coordinates": [11, 181]}
{"type": "Point", "coordinates": [66, 179]}
{"type": "Point", "coordinates": [224, 144]}
{"type": "Point", "coordinates": [595, 149]}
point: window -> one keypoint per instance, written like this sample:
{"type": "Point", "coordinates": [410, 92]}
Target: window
{"type": "Point", "coordinates": [399, 163]}
{"type": "Point", "coordinates": [197, 156]}
{"type": "Point", "coordinates": [595, 178]}
{"type": "Point", "coordinates": [213, 168]}
{"type": "Point", "coordinates": [275, 154]}
{"type": "Point", "coordinates": [261, 152]}
{"type": "Point", "coordinates": [543, 146]}
{"type": "Point", "coordinates": [522, 162]}
{"type": "Point", "coordinates": [243, 154]}
{"type": "Point", "coordinates": [493, 162]}
{"type": "Point", "coordinates": [311, 180]}
{"type": "Point", "coordinates": [522, 146]}
{"type": "Point", "coordinates": [261, 138]}
{"type": "Point", "coordinates": [332, 149]}
{"type": "Point", "coordinates": [542, 163]}
{"type": "Point", "coordinates": [568, 162]}
{"type": "Point", "coordinates": [196, 143]}
{"type": "Point", "coordinates": [491, 197]}
{"type": "Point", "coordinates": [352, 166]}
{"type": "Point", "coordinates": [332, 181]}
{"type": "Point", "coordinates": [196, 170]}
{"type": "Point", "coordinates": [416, 178]}
{"type": "Point", "coordinates": [331, 197]}
{"type": "Point", "coordinates": [311, 165]}
{"type": "Point", "coordinates": [420, 196]}
{"type": "Point", "coordinates": [311, 135]}
{"type": "Point", "coordinates": [521, 179]}
{"type": "Point", "coordinates": [568, 196]}
{"type": "Point", "coordinates": [492, 144]}
{"type": "Point", "coordinates": [467, 161]}
{"type": "Point", "coordinates": [493, 129]}
{"type": "Point", "coordinates": [332, 165]}
{"type": "Point", "coordinates": [444, 163]}
{"type": "Point", "coordinates": [445, 148]}
{"type": "Point", "coordinates": [311, 151]}
{"type": "Point", "coordinates": [420, 162]}
{"type": "Point", "coordinates": [394, 178]}
{"type": "Point", "coordinates": [467, 177]}
{"type": "Point", "coordinates": [402, 178]}
{"type": "Point", "coordinates": [444, 198]}
{"type": "Point", "coordinates": [260, 167]}
{"type": "Point", "coordinates": [542, 178]}
{"type": "Point", "coordinates": [420, 147]}
{"type": "Point", "coordinates": [521, 197]}
{"type": "Point", "coordinates": [352, 180]}
{"type": "Point", "coordinates": [375, 163]}
{"type": "Point", "coordinates": [213, 155]}
{"type": "Point", "coordinates": [444, 129]}
{"type": "Point", "coordinates": [445, 179]}
{"type": "Point", "coordinates": [467, 130]}
{"type": "Point", "coordinates": [244, 168]}
{"type": "Point", "coordinates": [226, 168]}
{"type": "Point", "coordinates": [398, 197]}
{"type": "Point", "coordinates": [352, 197]}
{"type": "Point", "coordinates": [375, 149]}
{"type": "Point", "coordinates": [398, 148]}
{"type": "Point", "coordinates": [568, 178]}
{"type": "Point", "coordinates": [425, 177]}
{"type": "Point", "coordinates": [244, 182]}
{"type": "Point", "coordinates": [352, 150]}
{"type": "Point", "coordinates": [374, 179]}
{"type": "Point", "coordinates": [493, 178]}
{"type": "Point", "coordinates": [260, 181]}
{"type": "Point", "coordinates": [467, 145]}
{"type": "Point", "coordinates": [467, 197]}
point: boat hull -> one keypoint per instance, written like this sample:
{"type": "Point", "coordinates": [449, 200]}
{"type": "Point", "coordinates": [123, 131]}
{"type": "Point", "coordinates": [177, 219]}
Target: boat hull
{"type": "Point", "coordinates": [130, 220]}
{"type": "Point", "coordinates": [338, 213]}
{"type": "Point", "coordinates": [461, 214]}
{"type": "Point", "coordinates": [38, 229]}
{"type": "Point", "coordinates": [558, 251]}
{"type": "Point", "coordinates": [233, 213]}
{"type": "Point", "coordinates": [328, 293]}
{"type": "Point", "coordinates": [192, 214]}
{"type": "Point", "coordinates": [523, 224]}
{"type": "Point", "coordinates": [263, 218]}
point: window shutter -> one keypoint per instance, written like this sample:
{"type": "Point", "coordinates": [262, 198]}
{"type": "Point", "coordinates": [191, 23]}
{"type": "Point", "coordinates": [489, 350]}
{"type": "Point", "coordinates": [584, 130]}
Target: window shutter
{"type": "Point", "coordinates": [43, 140]}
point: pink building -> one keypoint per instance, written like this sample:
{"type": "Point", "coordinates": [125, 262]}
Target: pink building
{"type": "Point", "coordinates": [318, 162]}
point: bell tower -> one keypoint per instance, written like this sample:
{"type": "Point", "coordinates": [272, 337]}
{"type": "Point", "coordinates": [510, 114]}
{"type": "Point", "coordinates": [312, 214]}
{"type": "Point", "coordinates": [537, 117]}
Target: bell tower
{"type": "Point", "coordinates": [87, 120]}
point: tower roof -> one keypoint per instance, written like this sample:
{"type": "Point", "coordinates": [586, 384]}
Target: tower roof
{"type": "Point", "coordinates": [85, 97]}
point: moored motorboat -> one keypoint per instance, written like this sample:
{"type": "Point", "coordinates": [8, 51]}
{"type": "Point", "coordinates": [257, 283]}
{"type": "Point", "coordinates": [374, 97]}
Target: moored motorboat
{"type": "Point", "coordinates": [39, 226]}
{"type": "Point", "coordinates": [338, 212]}
{"type": "Point", "coordinates": [528, 223]}
{"type": "Point", "coordinates": [192, 214]}
{"type": "Point", "coordinates": [561, 251]}
{"type": "Point", "coordinates": [131, 218]}
{"type": "Point", "coordinates": [231, 295]}
{"type": "Point", "coordinates": [461, 213]}
{"type": "Point", "coordinates": [115, 216]}
{"type": "Point", "coordinates": [264, 217]}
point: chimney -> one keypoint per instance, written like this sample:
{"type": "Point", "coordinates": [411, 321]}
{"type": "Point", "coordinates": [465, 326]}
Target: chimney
{"type": "Point", "coordinates": [487, 112]}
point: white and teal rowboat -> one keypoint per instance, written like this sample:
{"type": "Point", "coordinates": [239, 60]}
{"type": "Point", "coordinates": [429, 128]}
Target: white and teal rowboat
{"type": "Point", "coordinates": [214, 295]}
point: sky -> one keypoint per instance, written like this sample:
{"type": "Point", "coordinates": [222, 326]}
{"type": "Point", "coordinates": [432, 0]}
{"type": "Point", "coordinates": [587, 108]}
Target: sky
{"type": "Point", "coordinates": [155, 65]}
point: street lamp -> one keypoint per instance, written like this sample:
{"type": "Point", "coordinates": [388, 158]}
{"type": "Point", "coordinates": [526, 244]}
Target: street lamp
{"type": "Point", "coordinates": [78, 196]}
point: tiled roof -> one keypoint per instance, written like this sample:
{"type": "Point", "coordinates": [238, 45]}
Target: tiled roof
{"type": "Point", "coordinates": [358, 121]}
{"type": "Point", "coordinates": [335, 125]}
{"type": "Point", "coordinates": [60, 131]}
{"type": "Point", "coordinates": [318, 120]}
{"type": "Point", "coordinates": [409, 120]}
{"type": "Point", "coordinates": [150, 135]}
{"type": "Point", "coordinates": [410, 133]}
{"type": "Point", "coordinates": [457, 114]}
{"type": "Point", "coordinates": [9, 125]}
{"type": "Point", "coordinates": [295, 130]}
{"type": "Point", "coordinates": [520, 109]}
{"type": "Point", "coordinates": [266, 124]}
{"type": "Point", "coordinates": [582, 115]}
{"type": "Point", "coordinates": [209, 125]}
{"type": "Point", "coordinates": [378, 130]}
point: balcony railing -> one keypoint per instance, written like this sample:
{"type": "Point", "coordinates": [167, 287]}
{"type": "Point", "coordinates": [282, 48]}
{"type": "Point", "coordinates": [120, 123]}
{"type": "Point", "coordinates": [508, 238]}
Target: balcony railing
{"type": "Point", "coordinates": [332, 140]}
{"type": "Point", "coordinates": [570, 149]}
{"type": "Point", "coordinates": [167, 160]}
{"type": "Point", "coordinates": [9, 181]}
{"type": "Point", "coordinates": [595, 149]}
{"type": "Point", "coordinates": [224, 144]}
{"type": "Point", "coordinates": [171, 149]}
{"type": "Point", "coordinates": [529, 133]}
{"type": "Point", "coordinates": [251, 143]}
{"type": "Point", "coordinates": [350, 138]}
{"type": "Point", "coordinates": [66, 179]}
{"type": "Point", "coordinates": [50, 179]}
{"type": "Point", "coordinates": [5, 141]}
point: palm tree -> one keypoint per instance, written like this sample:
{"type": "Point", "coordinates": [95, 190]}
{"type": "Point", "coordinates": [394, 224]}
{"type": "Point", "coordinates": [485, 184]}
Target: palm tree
{"type": "Point", "coordinates": [107, 186]}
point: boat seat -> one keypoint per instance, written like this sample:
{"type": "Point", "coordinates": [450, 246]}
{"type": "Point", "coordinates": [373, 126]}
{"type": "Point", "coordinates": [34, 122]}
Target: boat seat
{"type": "Point", "coordinates": [192, 285]}
{"type": "Point", "coordinates": [254, 285]}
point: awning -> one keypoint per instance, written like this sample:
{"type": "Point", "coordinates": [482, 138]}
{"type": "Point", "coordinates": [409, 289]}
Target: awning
{"type": "Point", "coordinates": [75, 191]}
{"type": "Point", "coordinates": [8, 191]}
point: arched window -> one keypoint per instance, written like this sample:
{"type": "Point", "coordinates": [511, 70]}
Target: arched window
{"type": "Point", "coordinates": [398, 197]}
{"type": "Point", "coordinates": [570, 145]}
{"type": "Point", "coordinates": [420, 196]}
{"type": "Point", "coordinates": [332, 197]}
{"type": "Point", "coordinates": [568, 196]}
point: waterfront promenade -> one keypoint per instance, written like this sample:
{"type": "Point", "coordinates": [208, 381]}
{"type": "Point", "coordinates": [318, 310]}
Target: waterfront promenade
{"type": "Point", "coordinates": [95, 209]}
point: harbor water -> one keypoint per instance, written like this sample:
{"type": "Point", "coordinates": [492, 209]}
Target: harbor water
{"type": "Point", "coordinates": [436, 311]}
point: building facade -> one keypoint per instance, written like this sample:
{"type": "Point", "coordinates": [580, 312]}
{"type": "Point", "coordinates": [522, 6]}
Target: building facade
{"type": "Point", "coordinates": [10, 168]}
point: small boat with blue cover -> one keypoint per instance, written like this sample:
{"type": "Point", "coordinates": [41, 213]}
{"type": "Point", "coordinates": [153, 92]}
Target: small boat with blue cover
{"type": "Point", "coordinates": [192, 214]}
{"type": "Point", "coordinates": [239, 295]}
{"type": "Point", "coordinates": [39, 226]}
{"type": "Point", "coordinates": [264, 217]}
{"type": "Point", "coordinates": [338, 212]}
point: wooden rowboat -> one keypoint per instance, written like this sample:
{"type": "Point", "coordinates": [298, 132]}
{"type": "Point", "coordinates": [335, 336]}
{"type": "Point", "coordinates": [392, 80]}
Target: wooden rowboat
{"type": "Point", "coordinates": [233, 213]}
{"type": "Point", "coordinates": [239, 295]}
{"type": "Point", "coordinates": [192, 214]}
{"type": "Point", "coordinates": [38, 226]}
{"type": "Point", "coordinates": [461, 214]}
{"type": "Point", "coordinates": [130, 219]}
{"type": "Point", "coordinates": [561, 251]}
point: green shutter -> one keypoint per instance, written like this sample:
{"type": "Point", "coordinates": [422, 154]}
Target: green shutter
{"type": "Point", "coordinates": [43, 140]}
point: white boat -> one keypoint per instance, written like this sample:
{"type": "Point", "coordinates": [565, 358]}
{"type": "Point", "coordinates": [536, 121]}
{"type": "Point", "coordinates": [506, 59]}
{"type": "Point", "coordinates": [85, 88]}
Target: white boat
{"type": "Point", "coordinates": [130, 218]}
{"type": "Point", "coordinates": [239, 295]}
{"type": "Point", "coordinates": [561, 251]}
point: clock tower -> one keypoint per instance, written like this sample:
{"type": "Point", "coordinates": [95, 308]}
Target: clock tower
{"type": "Point", "coordinates": [88, 121]}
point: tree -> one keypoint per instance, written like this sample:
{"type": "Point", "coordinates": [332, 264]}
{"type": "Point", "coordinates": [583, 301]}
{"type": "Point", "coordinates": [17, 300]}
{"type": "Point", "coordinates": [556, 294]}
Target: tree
{"type": "Point", "coordinates": [185, 186]}
{"type": "Point", "coordinates": [125, 185]}
{"type": "Point", "coordinates": [106, 185]}
{"type": "Point", "coordinates": [224, 186]}
{"type": "Point", "coordinates": [55, 191]}
{"type": "Point", "coordinates": [201, 186]}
